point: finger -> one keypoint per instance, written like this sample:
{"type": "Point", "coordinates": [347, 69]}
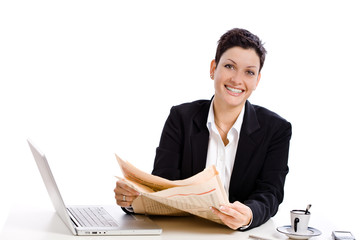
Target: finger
{"type": "Point", "coordinates": [121, 198]}
{"type": "Point", "coordinates": [222, 215]}
{"type": "Point", "coordinates": [124, 194]}
{"type": "Point", "coordinates": [238, 210]}
{"type": "Point", "coordinates": [125, 189]}
{"type": "Point", "coordinates": [125, 185]}
{"type": "Point", "coordinates": [121, 192]}
{"type": "Point", "coordinates": [233, 218]}
{"type": "Point", "coordinates": [226, 219]}
{"type": "Point", "coordinates": [230, 211]}
{"type": "Point", "coordinates": [123, 204]}
{"type": "Point", "coordinates": [124, 201]}
{"type": "Point", "coordinates": [243, 209]}
{"type": "Point", "coordinates": [240, 207]}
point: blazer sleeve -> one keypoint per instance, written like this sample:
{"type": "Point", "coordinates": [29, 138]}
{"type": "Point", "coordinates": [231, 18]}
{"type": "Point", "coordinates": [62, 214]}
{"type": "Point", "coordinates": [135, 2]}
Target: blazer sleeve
{"type": "Point", "coordinates": [269, 185]}
{"type": "Point", "coordinates": [168, 153]}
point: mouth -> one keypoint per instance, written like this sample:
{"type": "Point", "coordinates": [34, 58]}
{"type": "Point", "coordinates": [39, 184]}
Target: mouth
{"type": "Point", "coordinates": [233, 90]}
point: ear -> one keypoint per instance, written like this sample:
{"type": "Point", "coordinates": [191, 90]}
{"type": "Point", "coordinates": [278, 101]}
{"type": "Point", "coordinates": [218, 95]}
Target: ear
{"type": "Point", "coordinates": [212, 69]}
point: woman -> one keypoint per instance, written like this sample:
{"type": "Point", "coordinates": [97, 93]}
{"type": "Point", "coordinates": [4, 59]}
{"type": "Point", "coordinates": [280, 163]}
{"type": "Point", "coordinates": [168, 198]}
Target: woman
{"type": "Point", "coordinates": [248, 144]}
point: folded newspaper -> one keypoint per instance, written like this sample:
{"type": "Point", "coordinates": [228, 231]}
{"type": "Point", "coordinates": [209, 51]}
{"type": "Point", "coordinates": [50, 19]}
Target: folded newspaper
{"type": "Point", "coordinates": [159, 196]}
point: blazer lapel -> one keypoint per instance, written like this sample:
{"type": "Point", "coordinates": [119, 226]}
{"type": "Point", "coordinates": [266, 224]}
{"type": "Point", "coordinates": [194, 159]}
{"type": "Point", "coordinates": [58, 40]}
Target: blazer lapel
{"type": "Point", "coordinates": [250, 122]}
{"type": "Point", "coordinates": [246, 146]}
{"type": "Point", "coordinates": [200, 139]}
{"type": "Point", "coordinates": [247, 143]}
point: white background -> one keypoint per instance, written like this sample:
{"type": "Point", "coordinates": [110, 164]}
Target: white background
{"type": "Point", "coordinates": [87, 79]}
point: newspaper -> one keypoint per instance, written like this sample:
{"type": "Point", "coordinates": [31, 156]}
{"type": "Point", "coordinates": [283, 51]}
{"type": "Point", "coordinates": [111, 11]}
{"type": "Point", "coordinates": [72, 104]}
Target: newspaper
{"type": "Point", "coordinates": [159, 196]}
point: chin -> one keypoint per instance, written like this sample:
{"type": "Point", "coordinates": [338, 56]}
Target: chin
{"type": "Point", "coordinates": [236, 104]}
{"type": "Point", "coordinates": [235, 101]}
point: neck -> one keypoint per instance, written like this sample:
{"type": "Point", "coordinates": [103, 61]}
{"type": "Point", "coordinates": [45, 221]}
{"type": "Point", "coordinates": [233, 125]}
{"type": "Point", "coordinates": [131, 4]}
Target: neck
{"type": "Point", "coordinates": [225, 116]}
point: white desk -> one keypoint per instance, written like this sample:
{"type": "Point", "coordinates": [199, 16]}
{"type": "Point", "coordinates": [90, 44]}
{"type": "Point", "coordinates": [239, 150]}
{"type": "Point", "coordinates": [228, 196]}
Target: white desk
{"type": "Point", "coordinates": [28, 222]}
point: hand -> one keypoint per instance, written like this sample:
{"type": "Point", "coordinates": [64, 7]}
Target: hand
{"type": "Point", "coordinates": [124, 194]}
{"type": "Point", "coordinates": [234, 215]}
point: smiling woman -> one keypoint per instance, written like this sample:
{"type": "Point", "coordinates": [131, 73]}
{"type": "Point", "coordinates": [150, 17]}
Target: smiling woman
{"type": "Point", "coordinates": [248, 144]}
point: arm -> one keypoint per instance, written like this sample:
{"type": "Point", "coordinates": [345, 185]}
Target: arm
{"type": "Point", "coordinates": [269, 189]}
{"type": "Point", "coordinates": [262, 189]}
{"type": "Point", "coordinates": [168, 153]}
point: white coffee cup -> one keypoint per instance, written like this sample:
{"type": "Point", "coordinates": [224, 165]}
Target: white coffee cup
{"type": "Point", "coordinates": [299, 221]}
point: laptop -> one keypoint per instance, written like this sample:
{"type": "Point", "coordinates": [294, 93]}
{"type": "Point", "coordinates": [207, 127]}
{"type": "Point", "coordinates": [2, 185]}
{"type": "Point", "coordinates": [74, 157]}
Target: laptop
{"type": "Point", "coordinates": [92, 220]}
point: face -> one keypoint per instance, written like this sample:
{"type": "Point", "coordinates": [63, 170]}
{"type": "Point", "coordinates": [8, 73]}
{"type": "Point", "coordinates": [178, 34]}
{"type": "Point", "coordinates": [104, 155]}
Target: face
{"type": "Point", "coordinates": [236, 77]}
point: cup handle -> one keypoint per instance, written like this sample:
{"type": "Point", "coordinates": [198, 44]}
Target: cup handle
{"type": "Point", "coordinates": [296, 221]}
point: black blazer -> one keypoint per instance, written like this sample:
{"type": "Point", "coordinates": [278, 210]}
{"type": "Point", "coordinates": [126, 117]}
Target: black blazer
{"type": "Point", "coordinates": [261, 159]}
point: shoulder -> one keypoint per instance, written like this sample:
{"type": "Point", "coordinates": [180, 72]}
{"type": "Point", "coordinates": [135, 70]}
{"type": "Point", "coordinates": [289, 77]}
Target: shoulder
{"type": "Point", "coordinates": [192, 108]}
{"type": "Point", "coordinates": [263, 112]}
{"type": "Point", "coordinates": [268, 118]}
{"type": "Point", "coordinates": [190, 114]}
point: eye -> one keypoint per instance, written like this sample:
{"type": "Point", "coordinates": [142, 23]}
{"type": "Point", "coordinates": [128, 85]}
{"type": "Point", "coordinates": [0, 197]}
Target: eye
{"type": "Point", "coordinates": [229, 66]}
{"type": "Point", "coordinates": [250, 73]}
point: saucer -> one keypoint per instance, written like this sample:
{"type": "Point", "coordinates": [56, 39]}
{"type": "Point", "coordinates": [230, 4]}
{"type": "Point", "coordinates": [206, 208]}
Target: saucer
{"type": "Point", "coordinates": [311, 232]}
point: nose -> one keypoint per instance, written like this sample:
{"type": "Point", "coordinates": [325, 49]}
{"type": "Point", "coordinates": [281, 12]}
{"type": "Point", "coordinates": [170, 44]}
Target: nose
{"type": "Point", "coordinates": [237, 78]}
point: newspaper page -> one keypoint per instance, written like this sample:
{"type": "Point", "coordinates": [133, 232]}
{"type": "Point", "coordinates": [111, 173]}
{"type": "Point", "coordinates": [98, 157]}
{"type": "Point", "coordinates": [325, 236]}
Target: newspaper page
{"type": "Point", "coordinates": [159, 196]}
{"type": "Point", "coordinates": [156, 183]}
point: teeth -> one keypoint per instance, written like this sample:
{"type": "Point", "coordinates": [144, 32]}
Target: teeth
{"type": "Point", "coordinates": [234, 90]}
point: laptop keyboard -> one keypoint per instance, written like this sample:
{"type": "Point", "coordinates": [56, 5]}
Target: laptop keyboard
{"type": "Point", "coordinates": [93, 217]}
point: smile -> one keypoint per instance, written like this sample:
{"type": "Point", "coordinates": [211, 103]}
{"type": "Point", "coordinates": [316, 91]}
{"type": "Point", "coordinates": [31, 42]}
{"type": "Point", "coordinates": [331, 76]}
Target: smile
{"type": "Point", "coordinates": [234, 90]}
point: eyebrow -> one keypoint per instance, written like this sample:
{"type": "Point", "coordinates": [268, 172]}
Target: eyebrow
{"type": "Point", "coordinates": [236, 63]}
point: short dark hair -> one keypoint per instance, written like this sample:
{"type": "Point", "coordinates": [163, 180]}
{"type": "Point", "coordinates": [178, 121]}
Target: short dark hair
{"type": "Point", "coordinates": [238, 37]}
